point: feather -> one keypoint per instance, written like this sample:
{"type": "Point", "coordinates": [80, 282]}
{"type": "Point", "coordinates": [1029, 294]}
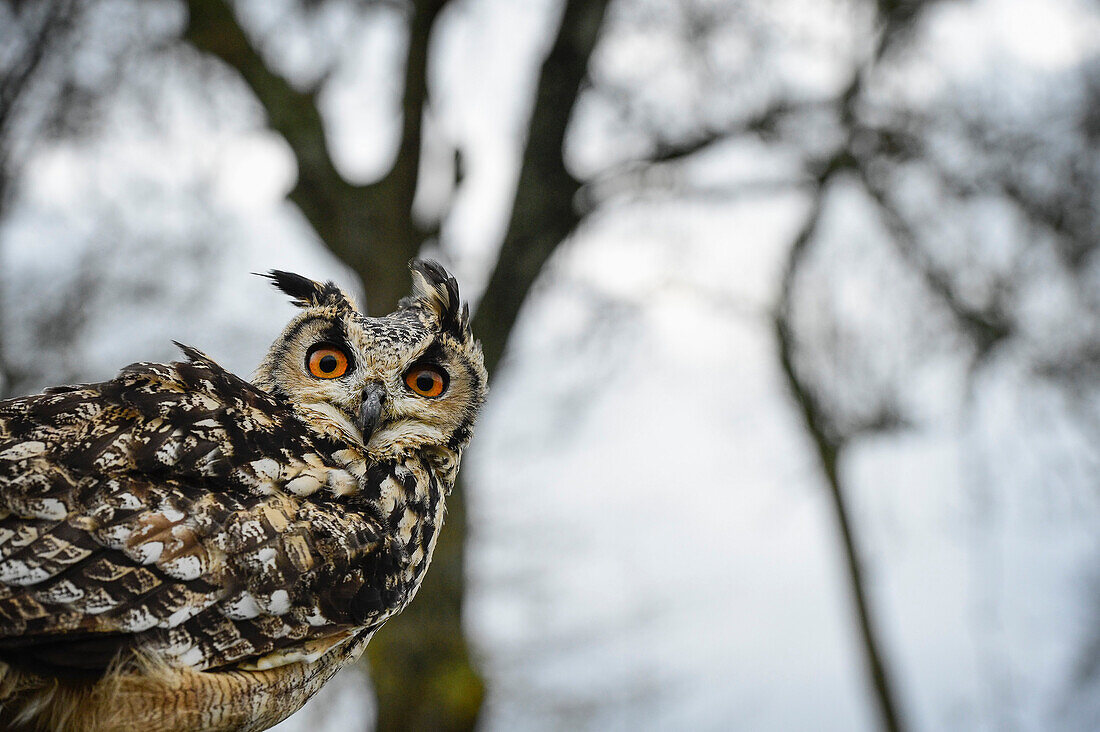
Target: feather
{"type": "Point", "coordinates": [182, 549]}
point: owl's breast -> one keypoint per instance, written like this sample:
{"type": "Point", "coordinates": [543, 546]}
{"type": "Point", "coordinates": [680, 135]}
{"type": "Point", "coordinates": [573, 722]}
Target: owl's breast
{"type": "Point", "coordinates": [410, 505]}
{"type": "Point", "coordinates": [372, 546]}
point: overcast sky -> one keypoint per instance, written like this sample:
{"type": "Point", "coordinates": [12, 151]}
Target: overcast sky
{"type": "Point", "coordinates": [651, 547]}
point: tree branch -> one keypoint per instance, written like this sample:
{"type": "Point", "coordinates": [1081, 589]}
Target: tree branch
{"type": "Point", "coordinates": [544, 212]}
{"type": "Point", "coordinates": [57, 18]}
{"type": "Point", "coordinates": [403, 175]}
{"type": "Point", "coordinates": [986, 327]}
{"type": "Point", "coordinates": [370, 227]}
{"type": "Point", "coordinates": [764, 122]}
{"type": "Point", "coordinates": [828, 444]}
{"type": "Point", "coordinates": [213, 27]}
{"type": "Point", "coordinates": [829, 440]}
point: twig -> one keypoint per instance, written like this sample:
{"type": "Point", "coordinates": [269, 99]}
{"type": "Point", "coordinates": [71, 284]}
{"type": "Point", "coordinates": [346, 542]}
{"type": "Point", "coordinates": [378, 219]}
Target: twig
{"type": "Point", "coordinates": [828, 444]}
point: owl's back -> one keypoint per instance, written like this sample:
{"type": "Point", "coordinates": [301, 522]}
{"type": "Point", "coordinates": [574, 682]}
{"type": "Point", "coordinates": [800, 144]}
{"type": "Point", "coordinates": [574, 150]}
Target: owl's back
{"type": "Point", "coordinates": [178, 509]}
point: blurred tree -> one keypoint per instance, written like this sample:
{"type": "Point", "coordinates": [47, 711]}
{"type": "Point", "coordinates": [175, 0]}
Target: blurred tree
{"type": "Point", "coordinates": [29, 33]}
{"type": "Point", "coordinates": [49, 92]}
{"type": "Point", "coordinates": [872, 139]}
{"type": "Point", "coordinates": [883, 143]}
{"type": "Point", "coordinates": [421, 666]}
{"type": "Point", "coordinates": [1041, 172]}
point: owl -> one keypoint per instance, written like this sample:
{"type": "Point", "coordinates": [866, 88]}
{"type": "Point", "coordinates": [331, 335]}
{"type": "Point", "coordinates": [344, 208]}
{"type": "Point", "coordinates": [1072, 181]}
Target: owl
{"type": "Point", "coordinates": [181, 549]}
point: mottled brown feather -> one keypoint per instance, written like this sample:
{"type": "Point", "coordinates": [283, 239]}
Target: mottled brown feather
{"type": "Point", "coordinates": [181, 549]}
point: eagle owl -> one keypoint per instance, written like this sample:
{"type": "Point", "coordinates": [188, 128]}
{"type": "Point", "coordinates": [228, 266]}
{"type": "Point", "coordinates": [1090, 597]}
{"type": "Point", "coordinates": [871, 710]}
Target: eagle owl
{"type": "Point", "coordinates": [181, 549]}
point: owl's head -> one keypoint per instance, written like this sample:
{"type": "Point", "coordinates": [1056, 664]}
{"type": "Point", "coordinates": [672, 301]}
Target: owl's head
{"type": "Point", "coordinates": [410, 380]}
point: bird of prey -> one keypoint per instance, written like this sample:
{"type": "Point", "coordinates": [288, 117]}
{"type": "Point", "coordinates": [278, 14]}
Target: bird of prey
{"type": "Point", "coordinates": [181, 549]}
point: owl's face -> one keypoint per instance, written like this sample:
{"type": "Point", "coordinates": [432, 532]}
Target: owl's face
{"type": "Point", "coordinates": [409, 380]}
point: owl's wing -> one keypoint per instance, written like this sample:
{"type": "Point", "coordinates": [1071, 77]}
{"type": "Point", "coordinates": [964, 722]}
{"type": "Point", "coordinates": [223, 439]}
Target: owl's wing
{"type": "Point", "coordinates": [157, 511]}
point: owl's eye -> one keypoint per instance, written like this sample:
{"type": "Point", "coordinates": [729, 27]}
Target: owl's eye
{"type": "Point", "coordinates": [427, 381]}
{"type": "Point", "coordinates": [327, 362]}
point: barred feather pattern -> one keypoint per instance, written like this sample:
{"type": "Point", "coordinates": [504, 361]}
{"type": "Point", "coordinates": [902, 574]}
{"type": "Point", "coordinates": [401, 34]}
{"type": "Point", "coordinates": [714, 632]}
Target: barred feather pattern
{"type": "Point", "coordinates": [181, 513]}
{"type": "Point", "coordinates": [183, 550]}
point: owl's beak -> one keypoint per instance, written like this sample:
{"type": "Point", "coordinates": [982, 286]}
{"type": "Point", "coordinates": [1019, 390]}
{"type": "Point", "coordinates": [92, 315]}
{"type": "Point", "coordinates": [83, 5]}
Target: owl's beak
{"type": "Point", "coordinates": [371, 410]}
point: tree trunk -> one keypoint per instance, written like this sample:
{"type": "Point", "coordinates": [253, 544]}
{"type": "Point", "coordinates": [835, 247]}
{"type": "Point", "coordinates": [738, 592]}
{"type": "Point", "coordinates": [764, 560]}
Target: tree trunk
{"type": "Point", "coordinates": [420, 661]}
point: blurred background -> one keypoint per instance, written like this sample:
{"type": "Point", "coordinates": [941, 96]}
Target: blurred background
{"type": "Point", "coordinates": [792, 310]}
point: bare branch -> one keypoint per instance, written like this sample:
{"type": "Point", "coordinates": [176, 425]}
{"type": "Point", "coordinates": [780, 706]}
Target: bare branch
{"type": "Point", "coordinates": [766, 121]}
{"type": "Point", "coordinates": [987, 327]}
{"type": "Point", "coordinates": [213, 27]}
{"type": "Point", "coordinates": [370, 227]}
{"type": "Point", "coordinates": [1064, 215]}
{"type": "Point", "coordinates": [56, 19]}
{"type": "Point", "coordinates": [828, 444]}
{"type": "Point", "coordinates": [543, 214]}
{"type": "Point", "coordinates": [402, 176]}
{"type": "Point", "coordinates": [827, 438]}
{"type": "Point", "coordinates": [42, 37]}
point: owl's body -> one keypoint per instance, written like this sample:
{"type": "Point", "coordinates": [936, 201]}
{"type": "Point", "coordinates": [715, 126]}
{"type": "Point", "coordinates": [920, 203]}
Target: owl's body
{"type": "Point", "coordinates": [181, 549]}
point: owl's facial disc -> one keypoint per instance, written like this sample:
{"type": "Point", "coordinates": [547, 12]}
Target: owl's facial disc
{"type": "Point", "coordinates": [405, 381]}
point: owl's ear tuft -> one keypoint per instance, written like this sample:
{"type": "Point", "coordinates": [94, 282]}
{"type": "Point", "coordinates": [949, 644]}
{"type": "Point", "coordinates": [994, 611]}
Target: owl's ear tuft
{"type": "Point", "coordinates": [436, 292]}
{"type": "Point", "coordinates": [307, 293]}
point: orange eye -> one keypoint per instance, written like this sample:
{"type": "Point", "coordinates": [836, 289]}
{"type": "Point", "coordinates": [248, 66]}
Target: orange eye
{"type": "Point", "coordinates": [326, 362]}
{"type": "Point", "coordinates": [426, 381]}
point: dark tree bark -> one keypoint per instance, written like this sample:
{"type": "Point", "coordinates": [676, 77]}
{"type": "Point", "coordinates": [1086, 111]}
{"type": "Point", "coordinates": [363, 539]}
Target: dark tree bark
{"type": "Point", "coordinates": [543, 212]}
{"type": "Point", "coordinates": [420, 661]}
{"type": "Point", "coordinates": [368, 226]}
